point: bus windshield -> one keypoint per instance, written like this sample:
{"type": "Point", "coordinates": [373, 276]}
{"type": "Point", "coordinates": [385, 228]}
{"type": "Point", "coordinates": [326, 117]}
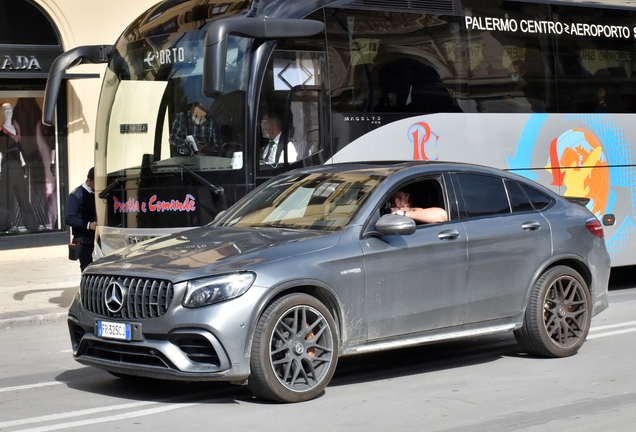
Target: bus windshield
{"type": "Point", "coordinates": [167, 156]}
{"type": "Point", "coordinates": [152, 112]}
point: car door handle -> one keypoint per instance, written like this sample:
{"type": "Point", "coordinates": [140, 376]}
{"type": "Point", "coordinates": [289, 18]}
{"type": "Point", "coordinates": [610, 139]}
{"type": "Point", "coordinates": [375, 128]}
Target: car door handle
{"type": "Point", "coordinates": [448, 235]}
{"type": "Point", "coordinates": [530, 226]}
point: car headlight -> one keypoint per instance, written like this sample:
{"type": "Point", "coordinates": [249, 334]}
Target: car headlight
{"type": "Point", "coordinates": [207, 291]}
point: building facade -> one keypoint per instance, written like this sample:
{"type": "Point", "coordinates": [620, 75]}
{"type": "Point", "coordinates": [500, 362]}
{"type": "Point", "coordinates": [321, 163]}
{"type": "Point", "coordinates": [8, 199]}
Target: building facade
{"type": "Point", "coordinates": [40, 164]}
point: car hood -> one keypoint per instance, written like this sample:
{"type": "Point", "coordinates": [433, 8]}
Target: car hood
{"type": "Point", "coordinates": [211, 250]}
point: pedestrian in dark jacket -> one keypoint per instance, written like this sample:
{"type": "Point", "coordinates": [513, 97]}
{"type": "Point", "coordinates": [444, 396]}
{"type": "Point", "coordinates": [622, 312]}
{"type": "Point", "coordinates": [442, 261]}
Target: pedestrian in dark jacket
{"type": "Point", "coordinates": [81, 216]}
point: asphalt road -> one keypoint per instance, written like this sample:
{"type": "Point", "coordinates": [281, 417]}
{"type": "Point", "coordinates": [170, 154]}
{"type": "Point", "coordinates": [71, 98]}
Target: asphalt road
{"type": "Point", "coordinates": [481, 384]}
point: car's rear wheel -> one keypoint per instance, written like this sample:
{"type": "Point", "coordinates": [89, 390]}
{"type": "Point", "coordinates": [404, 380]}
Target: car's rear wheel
{"type": "Point", "coordinates": [558, 315]}
{"type": "Point", "coordinates": [295, 350]}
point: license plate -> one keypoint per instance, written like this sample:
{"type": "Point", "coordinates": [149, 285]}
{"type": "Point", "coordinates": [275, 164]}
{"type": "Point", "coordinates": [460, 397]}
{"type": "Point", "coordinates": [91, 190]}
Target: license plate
{"type": "Point", "coordinates": [113, 330]}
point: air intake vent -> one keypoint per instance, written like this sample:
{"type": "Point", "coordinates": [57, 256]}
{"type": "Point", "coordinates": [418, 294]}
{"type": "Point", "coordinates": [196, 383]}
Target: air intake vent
{"type": "Point", "coordinates": [441, 7]}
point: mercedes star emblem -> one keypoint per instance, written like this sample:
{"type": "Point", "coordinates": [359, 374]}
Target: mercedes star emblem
{"type": "Point", "coordinates": [114, 297]}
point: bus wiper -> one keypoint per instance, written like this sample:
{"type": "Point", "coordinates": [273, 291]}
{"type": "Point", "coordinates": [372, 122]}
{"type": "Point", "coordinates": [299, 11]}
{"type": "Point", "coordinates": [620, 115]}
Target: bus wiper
{"type": "Point", "coordinates": [103, 194]}
{"type": "Point", "coordinates": [216, 190]}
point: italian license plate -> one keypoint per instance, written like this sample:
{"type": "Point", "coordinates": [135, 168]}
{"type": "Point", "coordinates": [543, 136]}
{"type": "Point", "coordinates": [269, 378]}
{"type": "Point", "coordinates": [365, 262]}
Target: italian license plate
{"type": "Point", "coordinates": [113, 330]}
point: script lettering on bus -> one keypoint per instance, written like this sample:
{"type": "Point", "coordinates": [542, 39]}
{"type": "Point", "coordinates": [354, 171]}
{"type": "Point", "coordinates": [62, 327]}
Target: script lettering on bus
{"type": "Point", "coordinates": [154, 205]}
{"type": "Point", "coordinates": [548, 27]}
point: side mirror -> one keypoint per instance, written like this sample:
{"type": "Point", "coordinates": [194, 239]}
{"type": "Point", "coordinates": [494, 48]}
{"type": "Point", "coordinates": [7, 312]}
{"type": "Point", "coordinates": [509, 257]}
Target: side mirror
{"type": "Point", "coordinates": [215, 49]}
{"type": "Point", "coordinates": [88, 54]}
{"type": "Point", "coordinates": [395, 225]}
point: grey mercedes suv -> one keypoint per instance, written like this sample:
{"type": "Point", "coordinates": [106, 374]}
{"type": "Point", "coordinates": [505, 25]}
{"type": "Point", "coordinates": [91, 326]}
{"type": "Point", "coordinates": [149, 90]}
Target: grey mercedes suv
{"type": "Point", "coordinates": [321, 262]}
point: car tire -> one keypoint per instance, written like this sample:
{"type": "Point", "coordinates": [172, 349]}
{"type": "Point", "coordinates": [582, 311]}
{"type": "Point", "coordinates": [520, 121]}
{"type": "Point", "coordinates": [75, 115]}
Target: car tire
{"type": "Point", "coordinates": [294, 351]}
{"type": "Point", "coordinates": [558, 316]}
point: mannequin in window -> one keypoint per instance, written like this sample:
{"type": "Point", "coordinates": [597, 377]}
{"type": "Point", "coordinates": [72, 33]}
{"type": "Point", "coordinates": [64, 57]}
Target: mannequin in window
{"type": "Point", "coordinates": [14, 187]}
{"type": "Point", "coordinates": [271, 129]}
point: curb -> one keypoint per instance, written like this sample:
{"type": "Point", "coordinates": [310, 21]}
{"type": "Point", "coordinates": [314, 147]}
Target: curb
{"type": "Point", "coordinates": [49, 318]}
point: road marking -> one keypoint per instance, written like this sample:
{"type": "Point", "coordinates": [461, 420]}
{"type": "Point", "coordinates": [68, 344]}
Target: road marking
{"type": "Point", "coordinates": [70, 414]}
{"type": "Point", "coordinates": [617, 332]}
{"type": "Point", "coordinates": [30, 386]}
{"type": "Point", "coordinates": [605, 327]}
{"type": "Point", "coordinates": [93, 421]}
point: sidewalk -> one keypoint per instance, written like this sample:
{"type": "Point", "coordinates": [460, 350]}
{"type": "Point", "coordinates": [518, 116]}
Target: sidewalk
{"type": "Point", "coordinates": [37, 291]}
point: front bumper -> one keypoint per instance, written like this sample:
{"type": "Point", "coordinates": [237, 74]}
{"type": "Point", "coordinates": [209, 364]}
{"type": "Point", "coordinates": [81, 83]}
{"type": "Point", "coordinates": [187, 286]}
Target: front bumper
{"type": "Point", "coordinates": [184, 354]}
{"type": "Point", "coordinates": [205, 344]}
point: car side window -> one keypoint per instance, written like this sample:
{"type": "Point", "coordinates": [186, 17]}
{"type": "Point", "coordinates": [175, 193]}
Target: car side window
{"type": "Point", "coordinates": [518, 200]}
{"type": "Point", "coordinates": [425, 193]}
{"type": "Point", "coordinates": [483, 195]}
{"type": "Point", "coordinates": [538, 200]}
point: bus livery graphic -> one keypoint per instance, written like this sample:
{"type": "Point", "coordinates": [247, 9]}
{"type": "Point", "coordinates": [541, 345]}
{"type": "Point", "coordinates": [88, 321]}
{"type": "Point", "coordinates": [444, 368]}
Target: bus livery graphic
{"type": "Point", "coordinates": [420, 134]}
{"type": "Point", "coordinates": [592, 160]}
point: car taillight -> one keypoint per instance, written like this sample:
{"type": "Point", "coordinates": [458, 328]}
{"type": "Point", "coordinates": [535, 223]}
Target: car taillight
{"type": "Point", "coordinates": [594, 226]}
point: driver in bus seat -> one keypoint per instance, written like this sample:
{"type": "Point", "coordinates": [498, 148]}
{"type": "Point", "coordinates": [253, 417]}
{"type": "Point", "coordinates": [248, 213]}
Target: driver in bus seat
{"type": "Point", "coordinates": [400, 203]}
{"type": "Point", "coordinates": [194, 132]}
{"type": "Point", "coordinates": [271, 129]}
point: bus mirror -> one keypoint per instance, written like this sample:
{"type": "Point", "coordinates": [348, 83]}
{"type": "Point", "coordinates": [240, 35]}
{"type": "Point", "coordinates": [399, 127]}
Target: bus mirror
{"type": "Point", "coordinates": [215, 50]}
{"type": "Point", "coordinates": [71, 58]}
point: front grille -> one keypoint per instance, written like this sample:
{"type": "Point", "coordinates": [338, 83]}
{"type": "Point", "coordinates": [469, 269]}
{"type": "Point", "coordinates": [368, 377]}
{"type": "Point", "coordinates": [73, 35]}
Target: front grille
{"type": "Point", "coordinates": [143, 298]}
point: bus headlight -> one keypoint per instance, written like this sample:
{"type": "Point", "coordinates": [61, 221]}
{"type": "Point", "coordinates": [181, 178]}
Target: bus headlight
{"type": "Point", "coordinates": [207, 291]}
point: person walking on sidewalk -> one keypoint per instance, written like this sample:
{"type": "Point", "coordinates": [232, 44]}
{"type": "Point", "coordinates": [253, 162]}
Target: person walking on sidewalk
{"type": "Point", "coordinates": [81, 216]}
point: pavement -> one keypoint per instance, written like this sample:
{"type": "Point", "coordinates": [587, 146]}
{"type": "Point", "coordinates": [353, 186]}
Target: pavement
{"type": "Point", "coordinates": [37, 291]}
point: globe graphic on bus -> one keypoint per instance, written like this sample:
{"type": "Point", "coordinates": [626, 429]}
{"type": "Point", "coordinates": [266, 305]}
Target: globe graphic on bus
{"type": "Point", "coordinates": [576, 152]}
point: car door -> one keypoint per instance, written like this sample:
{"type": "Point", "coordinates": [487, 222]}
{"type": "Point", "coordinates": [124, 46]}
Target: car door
{"type": "Point", "coordinates": [507, 242]}
{"type": "Point", "coordinates": [416, 282]}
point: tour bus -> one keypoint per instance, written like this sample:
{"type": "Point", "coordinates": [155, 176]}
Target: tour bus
{"type": "Point", "coordinates": [193, 90]}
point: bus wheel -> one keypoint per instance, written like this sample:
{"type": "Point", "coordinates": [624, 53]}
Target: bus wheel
{"type": "Point", "coordinates": [295, 350]}
{"type": "Point", "coordinates": [558, 315]}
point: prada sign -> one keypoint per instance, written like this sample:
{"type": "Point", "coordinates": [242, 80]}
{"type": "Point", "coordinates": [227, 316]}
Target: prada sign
{"type": "Point", "coordinates": [28, 61]}
{"type": "Point", "coordinates": [20, 62]}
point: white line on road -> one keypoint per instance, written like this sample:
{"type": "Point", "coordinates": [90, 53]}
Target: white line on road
{"type": "Point", "coordinates": [29, 386]}
{"type": "Point", "coordinates": [605, 327]}
{"type": "Point", "coordinates": [617, 332]}
{"type": "Point", "coordinates": [93, 421]}
{"type": "Point", "coordinates": [77, 413]}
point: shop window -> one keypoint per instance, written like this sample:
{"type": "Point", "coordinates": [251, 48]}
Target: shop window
{"type": "Point", "coordinates": [13, 31]}
{"type": "Point", "coordinates": [30, 192]}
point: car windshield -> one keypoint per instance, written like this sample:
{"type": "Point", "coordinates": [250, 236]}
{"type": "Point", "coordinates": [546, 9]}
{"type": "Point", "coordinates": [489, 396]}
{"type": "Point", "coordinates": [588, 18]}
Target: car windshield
{"type": "Point", "coordinates": [323, 201]}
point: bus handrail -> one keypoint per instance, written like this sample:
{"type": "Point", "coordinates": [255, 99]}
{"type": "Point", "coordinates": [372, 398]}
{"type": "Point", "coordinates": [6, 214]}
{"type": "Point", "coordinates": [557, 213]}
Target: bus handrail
{"type": "Point", "coordinates": [71, 58]}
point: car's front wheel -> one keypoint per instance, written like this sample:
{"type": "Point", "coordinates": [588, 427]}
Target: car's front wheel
{"type": "Point", "coordinates": [295, 350]}
{"type": "Point", "coordinates": [558, 315]}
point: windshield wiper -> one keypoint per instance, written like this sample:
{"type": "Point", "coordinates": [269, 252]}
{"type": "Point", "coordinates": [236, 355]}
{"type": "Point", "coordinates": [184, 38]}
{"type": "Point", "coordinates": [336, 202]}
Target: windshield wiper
{"type": "Point", "coordinates": [103, 194]}
{"type": "Point", "coordinates": [216, 190]}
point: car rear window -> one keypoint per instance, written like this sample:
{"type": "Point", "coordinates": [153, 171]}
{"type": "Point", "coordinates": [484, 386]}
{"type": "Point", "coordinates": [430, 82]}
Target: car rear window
{"type": "Point", "coordinates": [518, 199]}
{"type": "Point", "coordinates": [538, 200]}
